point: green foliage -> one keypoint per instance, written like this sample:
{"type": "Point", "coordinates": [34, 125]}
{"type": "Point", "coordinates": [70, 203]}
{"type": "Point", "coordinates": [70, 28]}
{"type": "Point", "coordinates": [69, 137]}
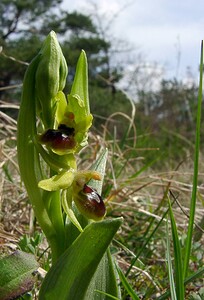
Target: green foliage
{"type": "Point", "coordinates": [155, 112]}
{"type": "Point", "coordinates": [74, 22]}
{"type": "Point", "coordinates": [16, 274]}
{"type": "Point", "coordinates": [31, 244]}
{"type": "Point", "coordinates": [14, 12]}
{"type": "Point", "coordinates": [170, 266]}
{"type": "Point", "coordinates": [70, 277]}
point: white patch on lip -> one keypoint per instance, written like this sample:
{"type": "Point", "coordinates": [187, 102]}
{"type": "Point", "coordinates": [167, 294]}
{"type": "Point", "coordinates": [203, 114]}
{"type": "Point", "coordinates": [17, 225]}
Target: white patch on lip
{"type": "Point", "coordinates": [93, 196]}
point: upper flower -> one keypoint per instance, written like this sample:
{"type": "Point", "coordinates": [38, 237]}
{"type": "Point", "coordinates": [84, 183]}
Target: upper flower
{"type": "Point", "coordinates": [71, 126]}
{"type": "Point", "coordinates": [66, 121]}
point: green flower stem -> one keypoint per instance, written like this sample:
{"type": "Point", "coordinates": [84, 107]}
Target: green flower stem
{"type": "Point", "coordinates": [58, 223]}
{"type": "Point", "coordinates": [28, 157]}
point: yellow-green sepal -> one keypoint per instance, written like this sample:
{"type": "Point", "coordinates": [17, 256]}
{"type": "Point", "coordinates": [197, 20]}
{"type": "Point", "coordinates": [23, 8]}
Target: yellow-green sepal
{"type": "Point", "coordinates": [60, 181]}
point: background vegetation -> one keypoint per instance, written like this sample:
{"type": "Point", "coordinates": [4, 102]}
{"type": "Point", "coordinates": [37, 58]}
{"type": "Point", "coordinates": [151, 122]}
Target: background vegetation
{"type": "Point", "coordinates": [150, 142]}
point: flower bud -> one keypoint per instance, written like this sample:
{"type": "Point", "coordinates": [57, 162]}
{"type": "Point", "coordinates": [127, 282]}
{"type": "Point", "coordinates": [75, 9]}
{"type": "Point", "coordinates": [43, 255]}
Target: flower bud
{"type": "Point", "coordinates": [50, 78]}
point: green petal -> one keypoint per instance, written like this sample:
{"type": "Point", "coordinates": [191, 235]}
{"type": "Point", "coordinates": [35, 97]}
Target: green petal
{"type": "Point", "coordinates": [56, 182]}
{"type": "Point", "coordinates": [67, 206]}
{"type": "Point", "coordinates": [77, 106]}
{"type": "Point", "coordinates": [61, 107]}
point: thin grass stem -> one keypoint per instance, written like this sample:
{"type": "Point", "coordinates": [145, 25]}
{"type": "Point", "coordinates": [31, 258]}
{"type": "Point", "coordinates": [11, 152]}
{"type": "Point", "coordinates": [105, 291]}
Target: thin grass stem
{"type": "Point", "coordinates": [180, 292]}
{"type": "Point", "coordinates": [195, 176]}
{"type": "Point", "coordinates": [169, 264]}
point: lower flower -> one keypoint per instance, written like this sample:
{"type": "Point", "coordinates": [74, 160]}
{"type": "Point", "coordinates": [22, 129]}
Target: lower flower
{"type": "Point", "coordinates": [88, 201]}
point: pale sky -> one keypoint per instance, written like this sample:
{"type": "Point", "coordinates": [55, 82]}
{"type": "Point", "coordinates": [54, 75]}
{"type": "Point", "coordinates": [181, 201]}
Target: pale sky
{"type": "Point", "coordinates": [162, 29]}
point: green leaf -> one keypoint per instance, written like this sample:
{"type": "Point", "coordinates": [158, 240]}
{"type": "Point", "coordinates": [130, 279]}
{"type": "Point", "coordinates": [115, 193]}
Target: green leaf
{"type": "Point", "coordinates": [28, 157]}
{"type": "Point", "coordinates": [104, 281]}
{"type": "Point", "coordinates": [61, 106]}
{"type": "Point", "coordinates": [17, 274]}
{"type": "Point", "coordinates": [71, 230]}
{"type": "Point", "coordinates": [69, 278]}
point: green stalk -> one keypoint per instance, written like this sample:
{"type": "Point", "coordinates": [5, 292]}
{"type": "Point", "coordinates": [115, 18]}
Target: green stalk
{"type": "Point", "coordinates": [56, 216]}
{"type": "Point", "coordinates": [195, 176]}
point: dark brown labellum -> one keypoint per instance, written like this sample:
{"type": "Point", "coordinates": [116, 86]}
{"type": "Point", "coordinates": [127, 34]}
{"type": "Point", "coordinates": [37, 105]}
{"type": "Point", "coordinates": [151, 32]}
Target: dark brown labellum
{"type": "Point", "coordinates": [59, 139]}
{"type": "Point", "coordinates": [93, 203]}
{"type": "Point", "coordinates": [66, 130]}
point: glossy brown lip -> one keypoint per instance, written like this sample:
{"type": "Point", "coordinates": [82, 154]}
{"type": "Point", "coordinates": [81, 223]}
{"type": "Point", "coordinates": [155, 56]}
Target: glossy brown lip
{"type": "Point", "coordinates": [69, 131]}
{"type": "Point", "coordinates": [94, 201]}
{"type": "Point", "coordinates": [61, 138]}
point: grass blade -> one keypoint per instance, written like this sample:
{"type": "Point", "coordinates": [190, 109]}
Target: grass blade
{"type": "Point", "coordinates": [106, 294]}
{"type": "Point", "coordinates": [195, 176]}
{"type": "Point", "coordinates": [188, 280]}
{"type": "Point", "coordinates": [146, 242]}
{"type": "Point", "coordinates": [179, 278]}
{"type": "Point", "coordinates": [169, 263]}
{"type": "Point", "coordinates": [126, 285]}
